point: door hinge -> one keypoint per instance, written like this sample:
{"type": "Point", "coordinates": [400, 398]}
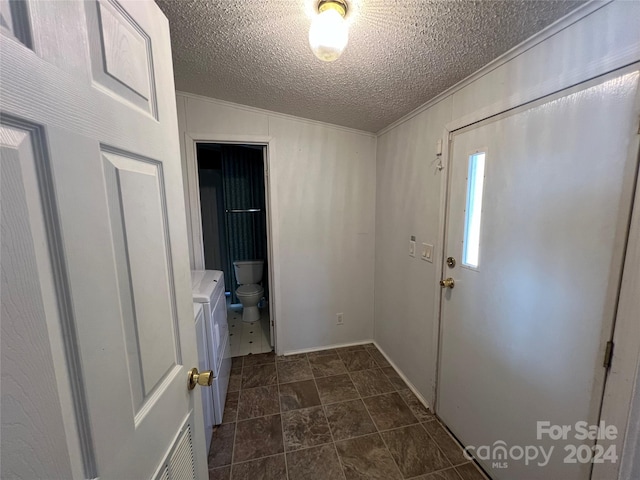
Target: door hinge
{"type": "Point", "coordinates": [608, 355]}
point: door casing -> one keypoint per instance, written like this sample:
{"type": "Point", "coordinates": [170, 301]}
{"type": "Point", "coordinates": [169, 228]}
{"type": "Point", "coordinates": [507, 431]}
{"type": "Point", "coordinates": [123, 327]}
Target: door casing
{"type": "Point", "coordinates": [618, 386]}
{"type": "Point", "coordinates": [194, 214]}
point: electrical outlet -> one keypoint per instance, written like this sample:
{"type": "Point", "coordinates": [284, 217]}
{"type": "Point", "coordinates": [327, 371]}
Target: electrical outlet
{"type": "Point", "coordinates": [412, 248]}
{"type": "Point", "coordinates": [339, 319]}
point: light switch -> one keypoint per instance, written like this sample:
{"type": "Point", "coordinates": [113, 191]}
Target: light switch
{"type": "Point", "coordinates": [427, 252]}
{"type": "Point", "coordinates": [412, 248]}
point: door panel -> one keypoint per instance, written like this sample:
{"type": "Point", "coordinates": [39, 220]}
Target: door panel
{"type": "Point", "coordinates": [31, 414]}
{"type": "Point", "coordinates": [136, 206]}
{"type": "Point", "coordinates": [116, 230]}
{"type": "Point", "coordinates": [121, 59]}
{"type": "Point", "coordinates": [523, 334]}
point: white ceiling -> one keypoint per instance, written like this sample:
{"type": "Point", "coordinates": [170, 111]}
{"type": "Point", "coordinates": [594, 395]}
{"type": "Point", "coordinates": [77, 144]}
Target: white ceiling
{"type": "Point", "coordinates": [401, 53]}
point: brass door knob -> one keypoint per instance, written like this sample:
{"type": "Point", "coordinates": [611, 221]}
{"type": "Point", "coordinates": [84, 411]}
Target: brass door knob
{"type": "Point", "coordinates": [447, 283]}
{"type": "Point", "coordinates": [196, 378]}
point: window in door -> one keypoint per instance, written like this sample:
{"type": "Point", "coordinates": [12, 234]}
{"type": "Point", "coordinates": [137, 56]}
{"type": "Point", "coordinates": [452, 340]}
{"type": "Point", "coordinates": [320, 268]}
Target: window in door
{"type": "Point", "coordinates": [473, 211]}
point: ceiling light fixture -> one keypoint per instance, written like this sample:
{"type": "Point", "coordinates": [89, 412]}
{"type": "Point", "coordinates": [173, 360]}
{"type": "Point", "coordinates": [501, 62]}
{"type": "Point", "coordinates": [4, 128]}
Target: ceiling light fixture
{"type": "Point", "coordinates": [329, 31]}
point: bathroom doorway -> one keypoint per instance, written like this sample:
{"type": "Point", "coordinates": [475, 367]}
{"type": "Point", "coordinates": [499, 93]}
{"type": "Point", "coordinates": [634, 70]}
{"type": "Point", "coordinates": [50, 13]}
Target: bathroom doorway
{"type": "Point", "coordinates": [233, 208]}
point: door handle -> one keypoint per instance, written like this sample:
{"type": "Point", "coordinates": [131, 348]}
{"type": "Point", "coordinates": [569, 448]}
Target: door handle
{"type": "Point", "coordinates": [204, 379]}
{"type": "Point", "coordinates": [447, 283]}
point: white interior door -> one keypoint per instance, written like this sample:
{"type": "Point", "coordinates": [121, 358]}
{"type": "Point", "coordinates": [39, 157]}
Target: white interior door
{"type": "Point", "coordinates": [93, 220]}
{"type": "Point", "coordinates": [538, 236]}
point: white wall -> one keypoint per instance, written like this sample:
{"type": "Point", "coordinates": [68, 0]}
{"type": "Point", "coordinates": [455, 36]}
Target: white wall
{"type": "Point", "coordinates": [323, 181]}
{"type": "Point", "coordinates": [407, 199]}
{"type": "Point", "coordinates": [409, 188]}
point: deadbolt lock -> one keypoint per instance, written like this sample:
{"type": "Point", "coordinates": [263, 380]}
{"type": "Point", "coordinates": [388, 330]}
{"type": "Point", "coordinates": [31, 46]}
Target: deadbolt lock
{"type": "Point", "coordinates": [447, 283]}
{"type": "Point", "coordinates": [451, 262]}
{"type": "Point", "coordinates": [204, 379]}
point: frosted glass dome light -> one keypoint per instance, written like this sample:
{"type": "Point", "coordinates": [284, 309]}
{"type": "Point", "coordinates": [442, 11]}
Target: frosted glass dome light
{"type": "Point", "coordinates": [329, 32]}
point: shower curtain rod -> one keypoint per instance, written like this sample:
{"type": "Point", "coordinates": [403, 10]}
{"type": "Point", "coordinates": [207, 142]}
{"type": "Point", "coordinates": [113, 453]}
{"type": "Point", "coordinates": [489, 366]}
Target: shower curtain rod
{"type": "Point", "coordinates": [248, 210]}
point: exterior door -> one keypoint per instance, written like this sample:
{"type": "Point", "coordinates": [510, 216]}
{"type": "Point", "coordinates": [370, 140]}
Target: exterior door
{"type": "Point", "coordinates": [94, 224]}
{"type": "Point", "coordinates": [537, 222]}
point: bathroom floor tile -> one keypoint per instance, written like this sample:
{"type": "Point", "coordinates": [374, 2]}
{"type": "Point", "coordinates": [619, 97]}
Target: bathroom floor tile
{"type": "Point", "coordinates": [306, 417]}
{"type": "Point", "coordinates": [367, 458]}
{"type": "Point", "coordinates": [237, 362]}
{"type": "Point", "coordinates": [371, 382]}
{"type": "Point", "coordinates": [259, 359]}
{"type": "Point", "coordinates": [267, 468]}
{"type": "Point", "coordinates": [448, 474]}
{"type": "Point", "coordinates": [221, 473]}
{"type": "Point", "coordinates": [349, 419]}
{"type": "Point", "coordinates": [416, 406]}
{"type": "Point", "coordinates": [358, 360]}
{"type": "Point", "coordinates": [259, 375]}
{"type": "Point", "coordinates": [258, 402]}
{"type": "Point", "coordinates": [336, 389]}
{"type": "Point", "coordinates": [248, 338]}
{"type": "Point", "coordinates": [322, 353]}
{"type": "Point", "coordinates": [379, 358]}
{"type": "Point", "coordinates": [394, 378]}
{"type": "Point", "coordinates": [235, 380]}
{"type": "Point", "coordinates": [448, 445]}
{"type": "Point", "coordinates": [316, 463]}
{"type": "Point", "coordinates": [298, 395]}
{"type": "Point", "coordinates": [305, 428]}
{"type": "Point", "coordinates": [294, 371]}
{"type": "Point", "coordinates": [327, 365]}
{"type": "Point", "coordinates": [230, 408]}
{"type": "Point", "coordinates": [221, 449]}
{"type": "Point", "coordinates": [469, 471]}
{"type": "Point", "coordinates": [352, 348]}
{"type": "Point", "coordinates": [389, 411]}
{"type": "Point", "coordinates": [258, 437]}
{"type": "Point", "coordinates": [414, 451]}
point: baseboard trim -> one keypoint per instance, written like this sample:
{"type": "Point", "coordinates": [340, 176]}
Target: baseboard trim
{"type": "Point", "coordinates": [327, 347]}
{"type": "Point", "coordinates": [411, 386]}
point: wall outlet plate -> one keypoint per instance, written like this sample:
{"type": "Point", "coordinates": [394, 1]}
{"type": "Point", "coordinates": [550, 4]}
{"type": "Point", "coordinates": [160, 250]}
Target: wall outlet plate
{"type": "Point", "coordinates": [412, 248]}
{"type": "Point", "coordinates": [339, 319]}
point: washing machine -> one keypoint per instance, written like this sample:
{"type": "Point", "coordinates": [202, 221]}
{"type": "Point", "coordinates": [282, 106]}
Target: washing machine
{"type": "Point", "coordinates": [214, 349]}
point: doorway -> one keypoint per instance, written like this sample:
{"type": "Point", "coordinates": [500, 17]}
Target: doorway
{"type": "Point", "coordinates": [233, 208]}
{"type": "Point", "coordinates": [537, 222]}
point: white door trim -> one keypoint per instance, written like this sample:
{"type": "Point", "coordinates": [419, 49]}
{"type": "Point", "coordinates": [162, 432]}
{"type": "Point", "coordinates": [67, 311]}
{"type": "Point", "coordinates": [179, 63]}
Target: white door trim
{"type": "Point", "coordinates": [194, 215]}
{"type": "Point", "coordinates": [620, 384]}
{"type": "Point", "coordinates": [620, 381]}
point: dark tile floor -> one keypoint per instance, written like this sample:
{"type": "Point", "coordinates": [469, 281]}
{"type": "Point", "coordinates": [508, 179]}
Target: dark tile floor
{"type": "Point", "coordinates": [340, 414]}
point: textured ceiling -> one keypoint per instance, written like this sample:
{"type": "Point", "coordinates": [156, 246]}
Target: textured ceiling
{"type": "Point", "coordinates": [400, 54]}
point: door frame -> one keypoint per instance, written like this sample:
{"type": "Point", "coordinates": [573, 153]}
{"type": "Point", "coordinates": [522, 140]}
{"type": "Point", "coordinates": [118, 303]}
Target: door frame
{"type": "Point", "coordinates": [620, 380]}
{"type": "Point", "coordinates": [194, 213]}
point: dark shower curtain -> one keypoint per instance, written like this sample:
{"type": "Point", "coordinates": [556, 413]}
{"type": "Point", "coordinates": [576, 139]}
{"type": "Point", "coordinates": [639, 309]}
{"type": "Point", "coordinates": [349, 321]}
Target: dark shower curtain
{"type": "Point", "coordinates": [243, 184]}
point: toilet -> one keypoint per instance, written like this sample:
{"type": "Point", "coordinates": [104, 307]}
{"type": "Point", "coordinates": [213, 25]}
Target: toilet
{"type": "Point", "coordinates": [248, 276]}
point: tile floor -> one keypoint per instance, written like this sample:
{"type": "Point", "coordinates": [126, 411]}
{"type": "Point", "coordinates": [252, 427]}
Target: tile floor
{"type": "Point", "coordinates": [248, 338]}
{"type": "Point", "coordinates": [338, 414]}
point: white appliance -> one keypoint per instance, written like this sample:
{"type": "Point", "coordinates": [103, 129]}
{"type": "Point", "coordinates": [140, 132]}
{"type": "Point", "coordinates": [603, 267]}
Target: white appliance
{"type": "Point", "coordinates": [214, 350]}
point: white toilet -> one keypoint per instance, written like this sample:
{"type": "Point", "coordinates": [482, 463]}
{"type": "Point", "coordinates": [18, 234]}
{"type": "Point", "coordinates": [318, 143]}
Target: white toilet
{"type": "Point", "coordinates": [248, 276]}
